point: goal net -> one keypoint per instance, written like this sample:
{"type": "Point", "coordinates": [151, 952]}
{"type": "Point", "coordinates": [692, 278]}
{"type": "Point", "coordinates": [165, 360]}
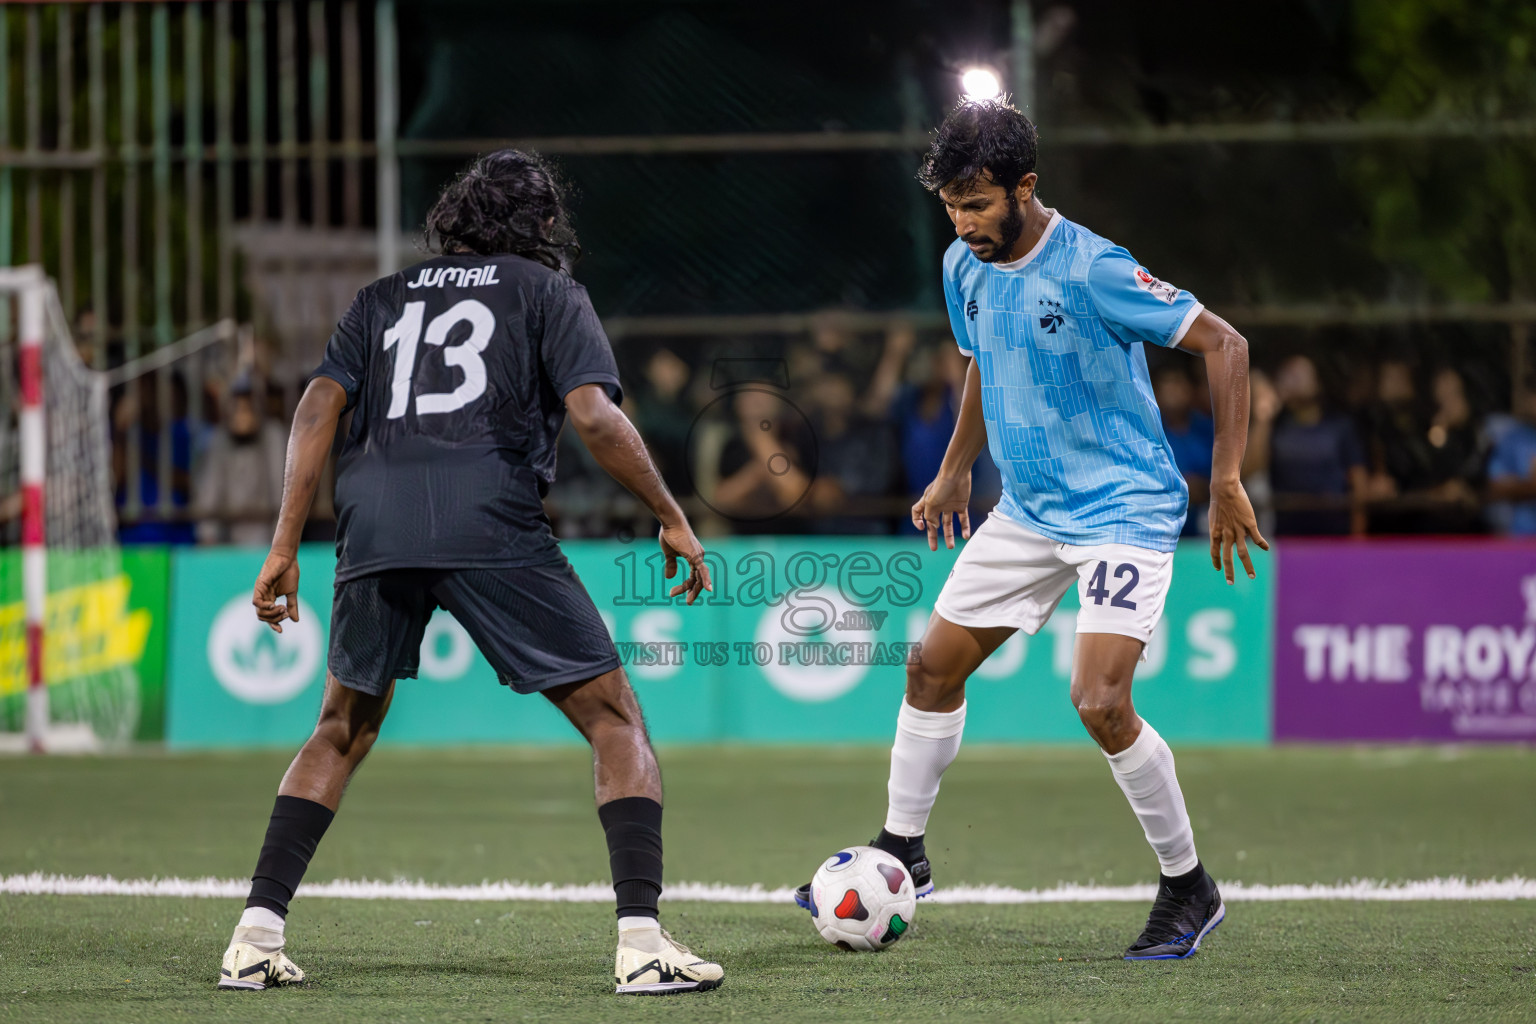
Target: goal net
{"type": "Point", "coordinates": [69, 644]}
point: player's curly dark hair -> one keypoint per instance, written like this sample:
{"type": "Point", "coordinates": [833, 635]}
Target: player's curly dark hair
{"type": "Point", "coordinates": [505, 202]}
{"type": "Point", "coordinates": [980, 135]}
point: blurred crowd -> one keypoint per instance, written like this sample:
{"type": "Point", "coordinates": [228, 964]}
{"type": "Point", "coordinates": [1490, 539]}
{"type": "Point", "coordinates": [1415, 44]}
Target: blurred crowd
{"type": "Point", "coordinates": [826, 434]}
{"type": "Point", "coordinates": [839, 431]}
{"type": "Point", "coordinates": [1410, 454]}
{"type": "Point", "coordinates": [856, 426]}
{"type": "Point", "coordinates": [215, 478]}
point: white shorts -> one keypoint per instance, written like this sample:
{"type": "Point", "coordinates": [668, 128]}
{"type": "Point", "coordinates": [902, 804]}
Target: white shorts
{"type": "Point", "coordinates": [1009, 575]}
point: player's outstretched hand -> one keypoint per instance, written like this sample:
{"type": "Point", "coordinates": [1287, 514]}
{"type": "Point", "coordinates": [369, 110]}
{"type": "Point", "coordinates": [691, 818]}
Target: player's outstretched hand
{"type": "Point", "coordinates": [1232, 523]}
{"type": "Point", "coordinates": [279, 576]}
{"type": "Point", "coordinates": [946, 499]}
{"type": "Point", "coordinates": [679, 542]}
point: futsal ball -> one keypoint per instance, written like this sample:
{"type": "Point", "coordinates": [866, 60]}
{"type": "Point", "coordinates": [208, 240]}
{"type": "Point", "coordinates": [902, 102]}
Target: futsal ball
{"type": "Point", "coordinates": [862, 898]}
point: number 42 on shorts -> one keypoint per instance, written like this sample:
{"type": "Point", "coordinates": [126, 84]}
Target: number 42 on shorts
{"type": "Point", "coordinates": [1098, 585]}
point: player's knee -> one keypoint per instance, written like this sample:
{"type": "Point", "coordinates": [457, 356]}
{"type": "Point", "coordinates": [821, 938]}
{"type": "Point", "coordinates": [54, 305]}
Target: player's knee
{"type": "Point", "coordinates": [606, 704]}
{"type": "Point", "coordinates": [929, 687]}
{"type": "Point", "coordinates": [350, 734]}
{"type": "Point", "coordinates": [1106, 711]}
{"type": "Point", "coordinates": [1102, 719]}
{"type": "Point", "coordinates": [620, 715]}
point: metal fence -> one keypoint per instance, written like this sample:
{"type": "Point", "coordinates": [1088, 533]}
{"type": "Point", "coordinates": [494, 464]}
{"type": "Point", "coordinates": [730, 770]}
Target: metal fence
{"type": "Point", "coordinates": [176, 163]}
{"type": "Point", "coordinates": [173, 164]}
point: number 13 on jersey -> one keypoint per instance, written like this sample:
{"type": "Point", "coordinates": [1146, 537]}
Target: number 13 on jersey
{"type": "Point", "coordinates": [405, 335]}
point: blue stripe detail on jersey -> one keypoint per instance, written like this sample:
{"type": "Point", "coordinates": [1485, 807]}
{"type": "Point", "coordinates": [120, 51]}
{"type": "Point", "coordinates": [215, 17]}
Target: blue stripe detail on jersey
{"type": "Point", "coordinates": [1065, 392]}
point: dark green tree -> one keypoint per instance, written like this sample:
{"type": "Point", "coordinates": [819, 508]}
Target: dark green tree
{"type": "Point", "coordinates": [1459, 211]}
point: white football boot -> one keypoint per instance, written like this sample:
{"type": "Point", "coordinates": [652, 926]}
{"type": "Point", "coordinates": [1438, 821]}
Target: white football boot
{"type": "Point", "coordinates": [249, 966]}
{"type": "Point", "coordinates": [651, 963]}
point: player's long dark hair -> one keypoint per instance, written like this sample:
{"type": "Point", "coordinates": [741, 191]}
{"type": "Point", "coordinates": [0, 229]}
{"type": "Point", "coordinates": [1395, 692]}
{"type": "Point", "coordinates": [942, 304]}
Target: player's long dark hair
{"type": "Point", "coordinates": [980, 135]}
{"type": "Point", "coordinates": [505, 202]}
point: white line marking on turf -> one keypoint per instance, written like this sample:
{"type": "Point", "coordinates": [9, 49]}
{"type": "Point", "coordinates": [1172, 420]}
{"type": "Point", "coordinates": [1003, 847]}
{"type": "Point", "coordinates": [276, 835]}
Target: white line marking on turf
{"type": "Point", "coordinates": [37, 884]}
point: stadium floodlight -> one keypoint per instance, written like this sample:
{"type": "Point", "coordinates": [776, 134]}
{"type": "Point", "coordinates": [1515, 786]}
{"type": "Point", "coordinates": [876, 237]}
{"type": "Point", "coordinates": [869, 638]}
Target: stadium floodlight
{"type": "Point", "coordinates": [980, 83]}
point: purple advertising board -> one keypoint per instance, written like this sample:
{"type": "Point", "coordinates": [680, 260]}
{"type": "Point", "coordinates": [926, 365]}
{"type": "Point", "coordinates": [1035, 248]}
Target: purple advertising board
{"type": "Point", "coordinates": [1406, 640]}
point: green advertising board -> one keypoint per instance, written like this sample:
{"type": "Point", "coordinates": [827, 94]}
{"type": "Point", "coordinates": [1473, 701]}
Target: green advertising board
{"type": "Point", "coordinates": [234, 682]}
{"type": "Point", "coordinates": [148, 569]}
{"type": "Point", "coordinates": [105, 615]}
{"type": "Point", "coordinates": [804, 640]}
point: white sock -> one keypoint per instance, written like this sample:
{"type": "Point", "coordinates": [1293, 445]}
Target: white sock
{"type": "Point", "coordinates": [650, 924]}
{"type": "Point", "coordinates": [261, 928]}
{"type": "Point", "coordinates": [643, 933]}
{"type": "Point", "coordinates": [1145, 773]}
{"type": "Point", "coordinates": [926, 744]}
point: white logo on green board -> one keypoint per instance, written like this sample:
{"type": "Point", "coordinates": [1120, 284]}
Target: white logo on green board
{"type": "Point", "coordinates": [257, 665]}
{"type": "Point", "coordinates": [447, 652]}
{"type": "Point", "coordinates": [798, 676]}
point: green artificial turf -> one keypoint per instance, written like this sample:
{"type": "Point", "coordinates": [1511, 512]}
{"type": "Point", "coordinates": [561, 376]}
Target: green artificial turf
{"type": "Point", "coordinates": [1026, 818]}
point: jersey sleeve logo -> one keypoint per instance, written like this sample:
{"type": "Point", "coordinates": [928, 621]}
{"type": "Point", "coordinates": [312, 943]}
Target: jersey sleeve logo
{"type": "Point", "coordinates": [1161, 289]}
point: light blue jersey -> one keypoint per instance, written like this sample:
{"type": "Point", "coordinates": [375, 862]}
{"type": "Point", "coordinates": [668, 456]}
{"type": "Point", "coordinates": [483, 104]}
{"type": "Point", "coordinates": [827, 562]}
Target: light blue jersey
{"type": "Point", "coordinates": [1065, 392]}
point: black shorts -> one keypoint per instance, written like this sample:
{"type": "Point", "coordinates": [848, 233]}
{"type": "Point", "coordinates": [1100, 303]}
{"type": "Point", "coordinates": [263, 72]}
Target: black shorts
{"type": "Point", "coordinates": [536, 625]}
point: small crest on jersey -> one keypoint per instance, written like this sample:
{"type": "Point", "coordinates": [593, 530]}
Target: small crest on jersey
{"type": "Point", "coordinates": [1162, 289]}
{"type": "Point", "coordinates": [1050, 315]}
{"type": "Point", "coordinates": [461, 277]}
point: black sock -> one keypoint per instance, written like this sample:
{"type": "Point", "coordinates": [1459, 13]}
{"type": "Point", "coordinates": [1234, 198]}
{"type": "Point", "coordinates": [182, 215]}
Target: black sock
{"type": "Point", "coordinates": [295, 830]}
{"type": "Point", "coordinates": [1185, 882]}
{"type": "Point", "coordinates": [904, 848]}
{"type": "Point", "coordinates": [633, 827]}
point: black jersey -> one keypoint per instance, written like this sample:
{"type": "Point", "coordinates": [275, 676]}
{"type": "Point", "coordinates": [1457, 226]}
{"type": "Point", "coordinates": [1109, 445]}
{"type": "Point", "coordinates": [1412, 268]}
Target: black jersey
{"type": "Point", "coordinates": [457, 370]}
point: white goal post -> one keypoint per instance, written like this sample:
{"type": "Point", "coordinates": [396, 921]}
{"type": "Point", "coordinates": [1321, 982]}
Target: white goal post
{"type": "Point", "coordinates": [65, 689]}
{"type": "Point", "coordinates": [29, 285]}
{"type": "Point", "coordinates": [69, 643]}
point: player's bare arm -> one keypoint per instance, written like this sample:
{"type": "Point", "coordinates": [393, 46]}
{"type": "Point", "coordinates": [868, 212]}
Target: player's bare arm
{"type": "Point", "coordinates": [1226, 365]}
{"type": "Point", "coordinates": [949, 495]}
{"type": "Point", "coordinates": [314, 428]}
{"type": "Point", "coordinates": [616, 445]}
{"type": "Point", "coordinates": [1514, 488]}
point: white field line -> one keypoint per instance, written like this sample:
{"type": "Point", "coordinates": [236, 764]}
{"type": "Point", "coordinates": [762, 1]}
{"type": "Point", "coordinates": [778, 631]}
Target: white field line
{"type": "Point", "coordinates": [1513, 888]}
